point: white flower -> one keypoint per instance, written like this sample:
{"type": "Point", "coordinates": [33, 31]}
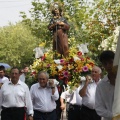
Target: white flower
{"type": "Point", "coordinates": [82, 78]}
{"type": "Point", "coordinates": [59, 67]}
{"type": "Point", "coordinates": [57, 61]}
{"type": "Point", "coordinates": [83, 48]}
{"type": "Point", "coordinates": [76, 58]}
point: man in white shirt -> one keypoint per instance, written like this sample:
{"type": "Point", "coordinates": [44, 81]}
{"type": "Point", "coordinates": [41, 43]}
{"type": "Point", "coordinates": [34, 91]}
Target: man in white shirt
{"type": "Point", "coordinates": [44, 94]}
{"type": "Point", "coordinates": [105, 89]}
{"type": "Point", "coordinates": [74, 102]}
{"type": "Point", "coordinates": [16, 99]}
{"type": "Point", "coordinates": [88, 95]}
{"type": "Point", "coordinates": [64, 100]}
{"type": "Point", "coordinates": [3, 79]}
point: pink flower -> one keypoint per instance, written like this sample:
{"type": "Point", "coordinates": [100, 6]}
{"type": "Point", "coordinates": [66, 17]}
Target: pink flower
{"type": "Point", "coordinates": [65, 73]}
{"type": "Point", "coordinates": [48, 65]}
{"type": "Point", "coordinates": [61, 61]}
{"type": "Point", "coordinates": [85, 68]}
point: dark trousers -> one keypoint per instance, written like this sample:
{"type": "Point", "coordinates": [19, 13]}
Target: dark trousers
{"type": "Point", "coordinates": [89, 114]}
{"type": "Point", "coordinates": [45, 116]}
{"type": "Point", "coordinates": [13, 113]}
{"type": "Point", "coordinates": [58, 109]}
{"type": "Point", "coordinates": [74, 112]}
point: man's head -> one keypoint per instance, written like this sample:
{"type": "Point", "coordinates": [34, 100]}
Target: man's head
{"type": "Point", "coordinates": [43, 78]}
{"type": "Point", "coordinates": [96, 73]}
{"type": "Point", "coordinates": [106, 58]}
{"type": "Point", "coordinates": [2, 71]}
{"type": "Point", "coordinates": [26, 69]}
{"type": "Point", "coordinates": [15, 73]}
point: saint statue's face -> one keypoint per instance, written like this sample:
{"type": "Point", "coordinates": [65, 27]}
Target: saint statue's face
{"type": "Point", "coordinates": [57, 12]}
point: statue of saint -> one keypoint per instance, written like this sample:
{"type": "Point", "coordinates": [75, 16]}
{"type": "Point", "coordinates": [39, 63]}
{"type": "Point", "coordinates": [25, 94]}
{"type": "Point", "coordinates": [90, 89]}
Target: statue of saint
{"type": "Point", "coordinates": [59, 26]}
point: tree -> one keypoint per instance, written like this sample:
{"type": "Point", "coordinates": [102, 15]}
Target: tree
{"type": "Point", "coordinates": [101, 25]}
{"type": "Point", "coordinates": [17, 44]}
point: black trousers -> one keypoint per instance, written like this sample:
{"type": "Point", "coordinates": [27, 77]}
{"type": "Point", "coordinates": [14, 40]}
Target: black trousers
{"type": "Point", "coordinates": [58, 109]}
{"type": "Point", "coordinates": [45, 116]}
{"type": "Point", "coordinates": [13, 113]}
{"type": "Point", "coordinates": [89, 114]}
{"type": "Point", "coordinates": [74, 112]}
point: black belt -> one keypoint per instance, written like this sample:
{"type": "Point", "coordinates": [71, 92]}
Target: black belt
{"type": "Point", "coordinates": [46, 113]}
{"type": "Point", "coordinates": [85, 107]}
{"type": "Point", "coordinates": [74, 106]}
{"type": "Point", "coordinates": [12, 108]}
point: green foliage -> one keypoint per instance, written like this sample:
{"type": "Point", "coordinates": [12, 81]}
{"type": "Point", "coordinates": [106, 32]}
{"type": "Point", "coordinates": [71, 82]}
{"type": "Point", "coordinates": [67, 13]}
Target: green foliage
{"type": "Point", "coordinates": [102, 23]}
{"type": "Point", "coordinates": [91, 22]}
{"type": "Point", "coordinates": [17, 44]}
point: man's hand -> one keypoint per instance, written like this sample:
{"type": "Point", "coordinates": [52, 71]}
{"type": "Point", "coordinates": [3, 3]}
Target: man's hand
{"type": "Point", "coordinates": [61, 23]}
{"type": "Point", "coordinates": [88, 80]}
{"type": "Point", "coordinates": [51, 83]}
{"type": "Point", "coordinates": [30, 118]}
{"type": "Point", "coordinates": [1, 85]}
{"type": "Point", "coordinates": [62, 106]}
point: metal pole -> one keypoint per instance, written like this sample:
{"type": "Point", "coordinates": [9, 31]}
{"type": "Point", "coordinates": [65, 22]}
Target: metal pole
{"type": "Point", "coordinates": [56, 42]}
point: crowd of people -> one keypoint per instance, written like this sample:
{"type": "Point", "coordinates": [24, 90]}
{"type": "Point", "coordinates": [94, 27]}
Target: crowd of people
{"type": "Point", "coordinates": [92, 100]}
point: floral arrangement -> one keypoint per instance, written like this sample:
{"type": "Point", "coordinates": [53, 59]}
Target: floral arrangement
{"type": "Point", "coordinates": [68, 70]}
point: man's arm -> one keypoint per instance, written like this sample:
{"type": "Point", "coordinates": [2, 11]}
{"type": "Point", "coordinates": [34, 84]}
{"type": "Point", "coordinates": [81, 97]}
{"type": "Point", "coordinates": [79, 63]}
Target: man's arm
{"type": "Point", "coordinates": [62, 100]}
{"type": "Point", "coordinates": [29, 103]}
{"type": "Point", "coordinates": [82, 92]}
{"type": "Point", "coordinates": [55, 94]}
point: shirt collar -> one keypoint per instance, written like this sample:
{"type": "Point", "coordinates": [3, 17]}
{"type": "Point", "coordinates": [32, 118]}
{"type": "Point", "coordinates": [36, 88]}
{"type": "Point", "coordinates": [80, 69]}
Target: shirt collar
{"type": "Point", "coordinates": [106, 79]}
{"type": "Point", "coordinates": [19, 82]}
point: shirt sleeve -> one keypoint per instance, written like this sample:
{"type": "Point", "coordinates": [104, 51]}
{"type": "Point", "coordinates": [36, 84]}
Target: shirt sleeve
{"type": "Point", "coordinates": [100, 105]}
{"type": "Point", "coordinates": [63, 95]}
{"type": "Point", "coordinates": [56, 94]}
{"type": "Point", "coordinates": [5, 80]}
{"type": "Point", "coordinates": [28, 102]}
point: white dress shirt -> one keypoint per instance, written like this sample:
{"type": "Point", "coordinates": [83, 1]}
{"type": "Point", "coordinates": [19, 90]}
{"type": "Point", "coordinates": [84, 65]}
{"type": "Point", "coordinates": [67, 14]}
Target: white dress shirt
{"type": "Point", "coordinates": [89, 99]}
{"type": "Point", "coordinates": [22, 77]}
{"type": "Point", "coordinates": [16, 96]}
{"type": "Point", "coordinates": [76, 99]}
{"type": "Point", "coordinates": [42, 98]}
{"type": "Point", "coordinates": [104, 99]}
{"type": "Point", "coordinates": [66, 95]}
{"type": "Point", "coordinates": [4, 79]}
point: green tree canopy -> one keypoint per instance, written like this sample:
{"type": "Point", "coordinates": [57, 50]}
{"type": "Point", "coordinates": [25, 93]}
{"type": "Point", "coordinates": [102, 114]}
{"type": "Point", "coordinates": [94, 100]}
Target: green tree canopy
{"type": "Point", "coordinates": [17, 44]}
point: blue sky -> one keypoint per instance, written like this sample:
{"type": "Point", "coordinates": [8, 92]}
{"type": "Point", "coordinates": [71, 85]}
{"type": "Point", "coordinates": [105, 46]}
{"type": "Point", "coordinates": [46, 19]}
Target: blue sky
{"type": "Point", "coordinates": [10, 10]}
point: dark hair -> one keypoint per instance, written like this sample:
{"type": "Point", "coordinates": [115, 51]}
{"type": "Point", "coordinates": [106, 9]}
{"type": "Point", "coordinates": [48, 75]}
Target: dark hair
{"type": "Point", "coordinates": [15, 68]}
{"type": "Point", "coordinates": [106, 55]}
{"type": "Point", "coordinates": [2, 68]}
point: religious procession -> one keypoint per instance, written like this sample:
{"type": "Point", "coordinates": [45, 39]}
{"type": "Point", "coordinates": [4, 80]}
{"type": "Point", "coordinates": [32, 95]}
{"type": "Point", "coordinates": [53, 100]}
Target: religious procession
{"type": "Point", "coordinates": [66, 81]}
